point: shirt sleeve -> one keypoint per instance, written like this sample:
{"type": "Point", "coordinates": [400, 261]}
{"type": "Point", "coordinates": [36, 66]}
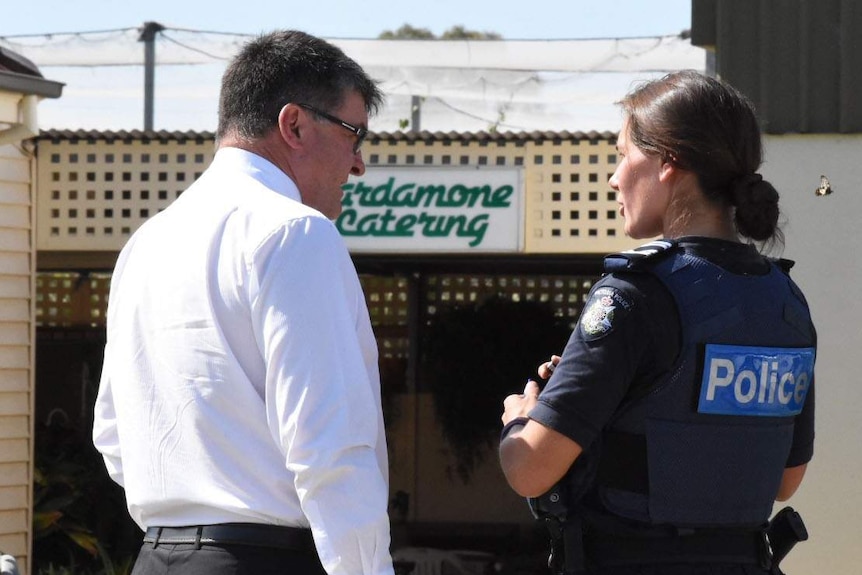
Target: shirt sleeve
{"type": "Point", "coordinates": [802, 449]}
{"type": "Point", "coordinates": [627, 335]}
{"type": "Point", "coordinates": [323, 392]}
{"type": "Point", "coordinates": [106, 438]}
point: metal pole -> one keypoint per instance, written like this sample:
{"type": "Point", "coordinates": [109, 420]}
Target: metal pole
{"type": "Point", "coordinates": [415, 113]}
{"type": "Point", "coordinates": [148, 37]}
{"type": "Point", "coordinates": [415, 300]}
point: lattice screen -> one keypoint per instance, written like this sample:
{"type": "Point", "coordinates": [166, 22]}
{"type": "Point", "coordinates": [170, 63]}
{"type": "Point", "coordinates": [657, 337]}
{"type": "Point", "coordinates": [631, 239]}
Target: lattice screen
{"type": "Point", "coordinates": [565, 294]}
{"type": "Point", "coordinates": [72, 299]}
{"type": "Point", "coordinates": [387, 299]}
{"type": "Point", "coordinates": [569, 205]}
{"type": "Point", "coordinates": [93, 193]}
{"type": "Point", "coordinates": [569, 199]}
{"type": "Point", "coordinates": [66, 299]}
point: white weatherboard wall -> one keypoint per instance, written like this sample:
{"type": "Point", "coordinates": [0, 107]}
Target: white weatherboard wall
{"type": "Point", "coordinates": [822, 236]}
{"type": "Point", "coordinates": [16, 354]}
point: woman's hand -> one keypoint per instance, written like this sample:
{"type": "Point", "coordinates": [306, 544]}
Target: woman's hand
{"type": "Point", "coordinates": [533, 457]}
{"type": "Point", "coordinates": [519, 405]}
{"type": "Point", "coordinates": [547, 368]}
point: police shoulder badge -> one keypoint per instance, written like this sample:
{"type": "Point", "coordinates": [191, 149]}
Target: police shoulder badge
{"type": "Point", "coordinates": [602, 311]}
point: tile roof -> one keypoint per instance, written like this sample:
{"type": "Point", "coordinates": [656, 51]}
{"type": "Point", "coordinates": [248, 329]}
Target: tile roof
{"type": "Point", "coordinates": [422, 136]}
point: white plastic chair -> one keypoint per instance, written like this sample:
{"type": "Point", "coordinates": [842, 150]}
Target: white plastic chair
{"type": "Point", "coordinates": [429, 561]}
{"type": "Point", "coordinates": [8, 565]}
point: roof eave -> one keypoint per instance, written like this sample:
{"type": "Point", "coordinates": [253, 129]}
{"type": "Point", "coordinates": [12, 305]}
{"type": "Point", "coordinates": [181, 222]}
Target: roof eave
{"type": "Point", "coordinates": [30, 85]}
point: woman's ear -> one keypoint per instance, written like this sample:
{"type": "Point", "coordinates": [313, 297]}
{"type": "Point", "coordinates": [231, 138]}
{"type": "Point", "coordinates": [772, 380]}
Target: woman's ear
{"type": "Point", "coordinates": [289, 120]}
{"type": "Point", "coordinates": [668, 171]}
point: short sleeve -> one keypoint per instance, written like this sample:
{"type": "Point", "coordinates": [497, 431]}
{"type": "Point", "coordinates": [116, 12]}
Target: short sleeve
{"type": "Point", "coordinates": [628, 334]}
{"type": "Point", "coordinates": [802, 449]}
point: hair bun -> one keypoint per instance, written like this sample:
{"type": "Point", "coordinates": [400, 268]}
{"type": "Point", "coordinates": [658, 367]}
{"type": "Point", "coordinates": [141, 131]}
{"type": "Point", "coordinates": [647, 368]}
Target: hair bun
{"type": "Point", "coordinates": [749, 179]}
{"type": "Point", "coordinates": [756, 202]}
{"type": "Point", "coordinates": [741, 186]}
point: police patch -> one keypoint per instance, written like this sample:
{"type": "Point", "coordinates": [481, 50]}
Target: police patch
{"type": "Point", "coordinates": [761, 381]}
{"type": "Point", "coordinates": [602, 312]}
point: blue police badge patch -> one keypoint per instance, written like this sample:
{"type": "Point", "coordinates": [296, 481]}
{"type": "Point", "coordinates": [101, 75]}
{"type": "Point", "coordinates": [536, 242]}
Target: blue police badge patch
{"type": "Point", "coordinates": [602, 312]}
{"type": "Point", "coordinates": [760, 381]}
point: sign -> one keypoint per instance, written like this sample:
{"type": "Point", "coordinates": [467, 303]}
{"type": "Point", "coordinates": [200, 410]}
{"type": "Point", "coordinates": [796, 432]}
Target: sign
{"type": "Point", "coordinates": [745, 380]}
{"type": "Point", "coordinates": [433, 210]}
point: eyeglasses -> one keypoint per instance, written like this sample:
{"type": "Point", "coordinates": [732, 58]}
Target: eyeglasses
{"type": "Point", "coordinates": [361, 133]}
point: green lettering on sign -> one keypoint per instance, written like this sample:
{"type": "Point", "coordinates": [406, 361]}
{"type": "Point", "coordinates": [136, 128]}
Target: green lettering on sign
{"type": "Point", "coordinates": [369, 211]}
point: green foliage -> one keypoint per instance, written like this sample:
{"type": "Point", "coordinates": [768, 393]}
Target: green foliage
{"type": "Point", "coordinates": [461, 33]}
{"type": "Point", "coordinates": [52, 570]}
{"type": "Point", "coordinates": [408, 32]}
{"type": "Point", "coordinates": [122, 568]}
{"type": "Point", "coordinates": [474, 356]}
{"type": "Point", "coordinates": [57, 494]}
{"type": "Point", "coordinates": [501, 117]}
{"type": "Point", "coordinates": [70, 494]}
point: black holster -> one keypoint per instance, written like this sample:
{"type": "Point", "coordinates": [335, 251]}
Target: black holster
{"type": "Point", "coordinates": [567, 546]}
{"type": "Point", "coordinates": [784, 531]}
{"type": "Point", "coordinates": [563, 522]}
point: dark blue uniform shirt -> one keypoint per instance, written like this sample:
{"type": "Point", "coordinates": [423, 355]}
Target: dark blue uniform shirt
{"type": "Point", "coordinates": [628, 336]}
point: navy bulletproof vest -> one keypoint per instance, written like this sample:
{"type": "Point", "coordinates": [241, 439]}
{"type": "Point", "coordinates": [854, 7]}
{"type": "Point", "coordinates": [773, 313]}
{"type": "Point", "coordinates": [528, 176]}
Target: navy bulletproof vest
{"type": "Point", "coordinates": [713, 435]}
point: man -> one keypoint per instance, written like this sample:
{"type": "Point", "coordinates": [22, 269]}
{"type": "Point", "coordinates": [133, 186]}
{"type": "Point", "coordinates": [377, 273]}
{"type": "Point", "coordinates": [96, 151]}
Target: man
{"type": "Point", "coordinates": [239, 404]}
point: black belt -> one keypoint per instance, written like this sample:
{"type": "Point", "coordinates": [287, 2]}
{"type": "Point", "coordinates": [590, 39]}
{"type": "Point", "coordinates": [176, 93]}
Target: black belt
{"type": "Point", "coordinates": [743, 547]}
{"type": "Point", "coordinates": [253, 534]}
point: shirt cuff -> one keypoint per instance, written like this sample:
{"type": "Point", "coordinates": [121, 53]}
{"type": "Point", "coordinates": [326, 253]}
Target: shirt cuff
{"type": "Point", "coordinates": [517, 422]}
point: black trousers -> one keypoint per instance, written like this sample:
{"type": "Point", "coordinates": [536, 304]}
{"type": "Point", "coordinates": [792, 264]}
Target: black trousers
{"type": "Point", "coordinates": [185, 559]}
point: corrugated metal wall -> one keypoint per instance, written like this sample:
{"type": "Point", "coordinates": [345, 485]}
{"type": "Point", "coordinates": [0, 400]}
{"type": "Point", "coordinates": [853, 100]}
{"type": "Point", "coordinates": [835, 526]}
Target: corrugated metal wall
{"type": "Point", "coordinates": [799, 61]}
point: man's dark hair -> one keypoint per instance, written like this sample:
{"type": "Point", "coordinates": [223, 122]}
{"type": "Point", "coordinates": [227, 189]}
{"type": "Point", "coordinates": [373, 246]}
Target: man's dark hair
{"type": "Point", "coordinates": [283, 67]}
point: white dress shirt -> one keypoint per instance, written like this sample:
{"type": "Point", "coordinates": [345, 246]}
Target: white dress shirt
{"type": "Point", "coordinates": [240, 380]}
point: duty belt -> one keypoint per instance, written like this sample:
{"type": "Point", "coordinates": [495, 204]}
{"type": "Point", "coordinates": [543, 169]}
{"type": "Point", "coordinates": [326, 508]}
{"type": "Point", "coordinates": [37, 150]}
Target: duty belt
{"type": "Point", "coordinates": [707, 546]}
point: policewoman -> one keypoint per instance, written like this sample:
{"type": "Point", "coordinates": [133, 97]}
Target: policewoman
{"type": "Point", "coordinates": [682, 406]}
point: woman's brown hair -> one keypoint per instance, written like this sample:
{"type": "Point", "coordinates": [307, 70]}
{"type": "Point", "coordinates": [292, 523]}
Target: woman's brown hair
{"type": "Point", "coordinates": [709, 128]}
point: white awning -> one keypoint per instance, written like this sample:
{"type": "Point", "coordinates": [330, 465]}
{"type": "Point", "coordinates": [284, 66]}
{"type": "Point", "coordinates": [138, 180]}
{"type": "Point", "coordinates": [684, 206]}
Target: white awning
{"type": "Point", "coordinates": [464, 86]}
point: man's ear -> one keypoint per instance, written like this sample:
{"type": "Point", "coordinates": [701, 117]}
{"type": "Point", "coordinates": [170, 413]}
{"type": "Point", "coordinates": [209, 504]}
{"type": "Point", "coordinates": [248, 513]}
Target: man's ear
{"type": "Point", "coordinates": [289, 123]}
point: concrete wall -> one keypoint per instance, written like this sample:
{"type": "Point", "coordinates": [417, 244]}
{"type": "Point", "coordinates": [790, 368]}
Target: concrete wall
{"type": "Point", "coordinates": [822, 234]}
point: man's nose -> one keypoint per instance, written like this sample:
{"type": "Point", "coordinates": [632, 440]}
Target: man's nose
{"type": "Point", "coordinates": [358, 167]}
